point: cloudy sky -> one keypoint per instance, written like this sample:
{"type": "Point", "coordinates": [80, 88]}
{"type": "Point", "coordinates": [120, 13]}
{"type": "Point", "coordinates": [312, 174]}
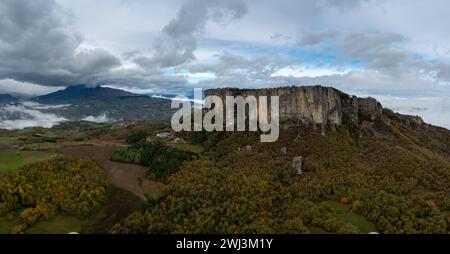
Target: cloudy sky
{"type": "Point", "coordinates": [396, 51]}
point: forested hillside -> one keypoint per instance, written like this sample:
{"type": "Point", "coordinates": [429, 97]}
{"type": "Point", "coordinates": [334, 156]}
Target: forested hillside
{"type": "Point", "coordinates": [390, 176]}
{"type": "Point", "coordinates": [42, 190]}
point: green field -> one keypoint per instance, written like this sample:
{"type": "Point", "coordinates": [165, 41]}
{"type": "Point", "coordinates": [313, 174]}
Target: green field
{"type": "Point", "coordinates": [11, 159]}
{"type": "Point", "coordinates": [9, 140]}
{"type": "Point", "coordinates": [61, 224]}
{"type": "Point", "coordinates": [317, 230]}
{"type": "Point", "coordinates": [40, 147]}
{"type": "Point", "coordinates": [6, 224]}
{"type": "Point", "coordinates": [343, 213]}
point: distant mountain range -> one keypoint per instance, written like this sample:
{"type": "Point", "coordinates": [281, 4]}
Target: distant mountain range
{"type": "Point", "coordinates": [102, 104]}
{"type": "Point", "coordinates": [79, 102]}
{"type": "Point", "coordinates": [6, 98]}
{"type": "Point", "coordinates": [83, 93]}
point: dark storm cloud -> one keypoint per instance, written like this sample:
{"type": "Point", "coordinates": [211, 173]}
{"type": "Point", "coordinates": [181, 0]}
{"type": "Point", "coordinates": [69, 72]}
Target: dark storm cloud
{"type": "Point", "coordinates": [36, 47]}
{"type": "Point", "coordinates": [179, 37]}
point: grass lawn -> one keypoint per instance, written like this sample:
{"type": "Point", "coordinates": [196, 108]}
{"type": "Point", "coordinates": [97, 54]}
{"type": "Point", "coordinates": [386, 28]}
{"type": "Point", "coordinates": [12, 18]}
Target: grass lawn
{"type": "Point", "coordinates": [343, 213]}
{"type": "Point", "coordinates": [10, 160]}
{"type": "Point", "coordinates": [41, 147]}
{"type": "Point", "coordinates": [46, 137]}
{"type": "Point", "coordinates": [317, 230]}
{"type": "Point", "coordinates": [190, 148]}
{"type": "Point", "coordinates": [61, 224]}
{"type": "Point", "coordinates": [152, 190]}
{"type": "Point", "coordinates": [9, 140]}
{"type": "Point", "coordinates": [6, 224]}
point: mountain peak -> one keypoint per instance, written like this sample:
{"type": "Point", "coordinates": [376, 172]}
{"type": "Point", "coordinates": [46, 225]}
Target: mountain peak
{"type": "Point", "coordinates": [7, 98]}
{"type": "Point", "coordinates": [83, 92]}
{"type": "Point", "coordinates": [74, 87]}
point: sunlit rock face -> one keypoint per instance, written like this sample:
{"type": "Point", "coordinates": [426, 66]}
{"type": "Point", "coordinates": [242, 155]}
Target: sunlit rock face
{"type": "Point", "coordinates": [312, 104]}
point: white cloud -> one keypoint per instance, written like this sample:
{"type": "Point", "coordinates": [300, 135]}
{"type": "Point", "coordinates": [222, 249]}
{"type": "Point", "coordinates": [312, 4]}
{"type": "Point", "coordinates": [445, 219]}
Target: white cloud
{"type": "Point", "coordinates": [14, 117]}
{"type": "Point", "coordinates": [432, 109]}
{"type": "Point", "coordinates": [307, 71]}
{"type": "Point", "coordinates": [103, 118]}
{"type": "Point", "coordinates": [38, 106]}
{"type": "Point", "coordinates": [24, 88]}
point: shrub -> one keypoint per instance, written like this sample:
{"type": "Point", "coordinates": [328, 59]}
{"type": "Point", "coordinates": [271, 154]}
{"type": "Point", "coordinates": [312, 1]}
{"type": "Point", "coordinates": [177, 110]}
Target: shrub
{"type": "Point", "coordinates": [128, 155]}
{"type": "Point", "coordinates": [136, 137]}
{"type": "Point", "coordinates": [161, 159]}
{"type": "Point", "coordinates": [39, 213]}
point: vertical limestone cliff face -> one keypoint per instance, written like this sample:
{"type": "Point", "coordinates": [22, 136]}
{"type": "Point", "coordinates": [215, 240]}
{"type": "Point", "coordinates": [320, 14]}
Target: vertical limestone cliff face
{"type": "Point", "coordinates": [312, 104]}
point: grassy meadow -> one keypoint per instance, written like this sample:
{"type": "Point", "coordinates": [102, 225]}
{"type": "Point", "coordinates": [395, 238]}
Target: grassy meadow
{"type": "Point", "coordinates": [12, 159]}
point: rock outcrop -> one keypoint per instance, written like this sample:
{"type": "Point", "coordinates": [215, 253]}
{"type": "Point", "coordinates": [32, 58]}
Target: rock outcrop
{"type": "Point", "coordinates": [297, 164]}
{"type": "Point", "coordinates": [411, 121]}
{"type": "Point", "coordinates": [312, 104]}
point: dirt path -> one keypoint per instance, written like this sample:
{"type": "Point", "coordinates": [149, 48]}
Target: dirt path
{"type": "Point", "coordinates": [8, 146]}
{"type": "Point", "coordinates": [121, 204]}
{"type": "Point", "coordinates": [121, 175]}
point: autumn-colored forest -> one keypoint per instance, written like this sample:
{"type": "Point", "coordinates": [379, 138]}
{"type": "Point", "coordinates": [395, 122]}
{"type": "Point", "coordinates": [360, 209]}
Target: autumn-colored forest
{"type": "Point", "coordinates": [387, 176]}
